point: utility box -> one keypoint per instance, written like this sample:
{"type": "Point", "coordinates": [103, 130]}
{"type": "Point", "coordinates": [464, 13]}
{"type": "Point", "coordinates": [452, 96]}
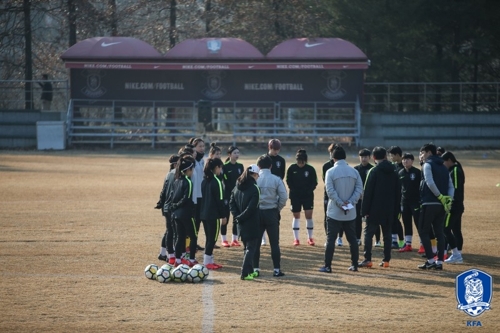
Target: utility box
{"type": "Point", "coordinates": [51, 135]}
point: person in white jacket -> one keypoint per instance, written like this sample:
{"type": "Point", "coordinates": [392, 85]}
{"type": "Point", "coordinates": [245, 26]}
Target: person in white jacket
{"type": "Point", "coordinates": [344, 188]}
{"type": "Point", "coordinates": [273, 198]}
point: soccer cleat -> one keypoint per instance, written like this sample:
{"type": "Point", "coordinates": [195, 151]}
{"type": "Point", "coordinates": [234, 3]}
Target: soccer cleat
{"type": "Point", "coordinates": [256, 274]}
{"type": "Point", "coordinates": [365, 263]}
{"type": "Point", "coordinates": [384, 264]}
{"type": "Point", "coordinates": [162, 257]}
{"type": "Point", "coordinates": [339, 242]}
{"type": "Point", "coordinates": [406, 248]}
{"type": "Point", "coordinates": [353, 268]}
{"type": "Point", "coordinates": [235, 243]}
{"type": "Point", "coordinates": [454, 259]}
{"type": "Point", "coordinates": [395, 246]}
{"type": "Point", "coordinates": [296, 242]}
{"type": "Point", "coordinates": [421, 249]}
{"type": "Point", "coordinates": [378, 244]}
{"type": "Point", "coordinates": [325, 269]}
{"type": "Point", "coordinates": [187, 262]}
{"type": "Point", "coordinates": [428, 265]}
{"type": "Point", "coordinates": [225, 243]}
{"type": "Point", "coordinates": [278, 274]}
{"type": "Point", "coordinates": [310, 241]}
{"type": "Point", "coordinates": [213, 266]}
{"type": "Point", "coordinates": [249, 277]}
{"type": "Point", "coordinates": [171, 261]}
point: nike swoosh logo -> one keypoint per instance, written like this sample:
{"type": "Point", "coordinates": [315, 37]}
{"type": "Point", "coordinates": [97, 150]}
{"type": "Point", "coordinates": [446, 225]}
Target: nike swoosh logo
{"type": "Point", "coordinates": [313, 45]}
{"type": "Point", "coordinates": [251, 66]}
{"type": "Point", "coordinates": [156, 67]}
{"type": "Point", "coordinates": [104, 44]}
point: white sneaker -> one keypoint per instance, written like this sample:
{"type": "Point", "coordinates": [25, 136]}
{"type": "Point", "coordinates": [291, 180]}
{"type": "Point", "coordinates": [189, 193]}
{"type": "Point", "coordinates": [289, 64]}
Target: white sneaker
{"type": "Point", "coordinates": [339, 241]}
{"type": "Point", "coordinates": [378, 244]}
{"type": "Point", "coordinates": [454, 259]}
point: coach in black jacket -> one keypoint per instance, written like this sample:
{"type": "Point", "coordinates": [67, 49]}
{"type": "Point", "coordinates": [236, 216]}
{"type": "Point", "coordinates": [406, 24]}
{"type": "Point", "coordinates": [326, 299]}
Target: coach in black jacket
{"type": "Point", "coordinates": [380, 204]}
{"type": "Point", "coordinates": [244, 205]}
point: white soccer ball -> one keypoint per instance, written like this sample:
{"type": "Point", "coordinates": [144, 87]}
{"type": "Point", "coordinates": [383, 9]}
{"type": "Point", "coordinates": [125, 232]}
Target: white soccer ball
{"type": "Point", "coordinates": [197, 273]}
{"type": "Point", "coordinates": [179, 273]}
{"type": "Point", "coordinates": [163, 275]}
{"type": "Point", "coordinates": [150, 271]}
{"type": "Point", "coordinates": [168, 267]}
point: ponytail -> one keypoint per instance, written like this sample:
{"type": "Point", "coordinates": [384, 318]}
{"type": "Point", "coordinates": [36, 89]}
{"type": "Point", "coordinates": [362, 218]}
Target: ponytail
{"type": "Point", "coordinates": [183, 164]}
{"type": "Point", "coordinates": [210, 165]}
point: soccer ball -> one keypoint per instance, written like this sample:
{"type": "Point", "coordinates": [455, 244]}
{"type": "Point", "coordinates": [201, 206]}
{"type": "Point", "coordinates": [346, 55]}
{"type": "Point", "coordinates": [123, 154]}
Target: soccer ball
{"type": "Point", "coordinates": [197, 273]}
{"type": "Point", "coordinates": [163, 275]}
{"type": "Point", "coordinates": [179, 274]}
{"type": "Point", "coordinates": [168, 267]}
{"type": "Point", "coordinates": [150, 271]}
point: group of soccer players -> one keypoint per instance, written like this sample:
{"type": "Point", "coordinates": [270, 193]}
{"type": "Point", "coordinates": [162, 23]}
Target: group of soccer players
{"type": "Point", "coordinates": [200, 191]}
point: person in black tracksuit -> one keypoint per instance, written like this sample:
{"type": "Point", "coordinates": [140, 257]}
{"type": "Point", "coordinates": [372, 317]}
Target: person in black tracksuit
{"type": "Point", "coordinates": [436, 194]}
{"type": "Point", "coordinates": [167, 242]}
{"type": "Point", "coordinates": [453, 223]}
{"type": "Point", "coordinates": [213, 210]}
{"type": "Point", "coordinates": [381, 200]}
{"type": "Point", "coordinates": [231, 171]}
{"type": "Point", "coordinates": [183, 209]}
{"type": "Point", "coordinates": [279, 164]}
{"type": "Point", "coordinates": [410, 178]}
{"type": "Point", "coordinates": [244, 205]}
{"type": "Point", "coordinates": [395, 154]}
{"type": "Point", "coordinates": [363, 168]}
{"type": "Point", "coordinates": [302, 181]}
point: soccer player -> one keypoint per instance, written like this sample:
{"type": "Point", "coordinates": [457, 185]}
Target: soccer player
{"type": "Point", "coordinates": [231, 170]}
{"type": "Point", "coordinates": [363, 168]}
{"type": "Point", "coordinates": [244, 205]}
{"type": "Point", "coordinates": [302, 181]}
{"type": "Point", "coordinates": [197, 178]}
{"type": "Point", "coordinates": [436, 195]}
{"type": "Point", "coordinates": [167, 242]}
{"type": "Point", "coordinates": [453, 224]}
{"type": "Point", "coordinates": [182, 209]}
{"type": "Point", "coordinates": [213, 210]}
{"type": "Point", "coordinates": [410, 178]}
{"type": "Point", "coordinates": [215, 151]}
{"type": "Point", "coordinates": [380, 204]}
{"type": "Point", "coordinates": [273, 198]}
{"type": "Point", "coordinates": [325, 168]}
{"type": "Point", "coordinates": [395, 154]}
{"type": "Point", "coordinates": [344, 188]}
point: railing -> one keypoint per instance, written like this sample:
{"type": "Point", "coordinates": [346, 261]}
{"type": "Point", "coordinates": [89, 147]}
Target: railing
{"type": "Point", "coordinates": [17, 94]}
{"type": "Point", "coordinates": [136, 122]}
{"type": "Point", "coordinates": [432, 97]}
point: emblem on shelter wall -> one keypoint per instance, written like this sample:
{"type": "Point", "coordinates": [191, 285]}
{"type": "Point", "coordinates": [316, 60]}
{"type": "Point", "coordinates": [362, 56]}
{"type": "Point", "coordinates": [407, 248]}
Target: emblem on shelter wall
{"type": "Point", "coordinates": [214, 46]}
{"type": "Point", "coordinates": [214, 89]}
{"type": "Point", "coordinates": [334, 88]}
{"type": "Point", "coordinates": [93, 88]}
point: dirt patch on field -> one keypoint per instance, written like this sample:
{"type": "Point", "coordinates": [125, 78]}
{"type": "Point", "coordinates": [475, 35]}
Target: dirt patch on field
{"type": "Point", "coordinates": [78, 228]}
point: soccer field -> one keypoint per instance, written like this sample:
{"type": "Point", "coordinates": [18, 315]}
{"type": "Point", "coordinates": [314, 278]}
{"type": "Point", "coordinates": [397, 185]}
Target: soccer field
{"type": "Point", "coordinates": [78, 228]}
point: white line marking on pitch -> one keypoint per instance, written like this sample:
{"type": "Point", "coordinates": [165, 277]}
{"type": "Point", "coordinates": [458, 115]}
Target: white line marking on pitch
{"type": "Point", "coordinates": [207, 323]}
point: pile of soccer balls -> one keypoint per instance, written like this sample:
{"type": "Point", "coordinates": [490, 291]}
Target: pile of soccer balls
{"type": "Point", "coordinates": [181, 273]}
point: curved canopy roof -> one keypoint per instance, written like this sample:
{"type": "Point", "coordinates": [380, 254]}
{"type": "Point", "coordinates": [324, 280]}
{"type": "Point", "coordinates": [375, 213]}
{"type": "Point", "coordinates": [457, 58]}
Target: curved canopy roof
{"type": "Point", "coordinates": [214, 49]}
{"type": "Point", "coordinates": [317, 48]}
{"type": "Point", "coordinates": [106, 48]}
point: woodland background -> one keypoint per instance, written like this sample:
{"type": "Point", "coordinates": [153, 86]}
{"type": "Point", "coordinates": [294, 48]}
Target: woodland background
{"type": "Point", "coordinates": [405, 40]}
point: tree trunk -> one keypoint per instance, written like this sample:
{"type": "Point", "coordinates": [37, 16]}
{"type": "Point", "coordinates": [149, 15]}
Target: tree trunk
{"type": "Point", "coordinates": [28, 70]}
{"type": "Point", "coordinates": [208, 7]}
{"type": "Point", "coordinates": [113, 19]}
{"type": "Point", "coordinates": [72, 22]}
{"type": "Point", "coordinates": [172, 34]}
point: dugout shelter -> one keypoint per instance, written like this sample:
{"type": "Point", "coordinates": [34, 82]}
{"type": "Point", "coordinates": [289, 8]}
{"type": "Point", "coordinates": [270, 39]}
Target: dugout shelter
{"type": "Point", "coordinates": [124, 91]}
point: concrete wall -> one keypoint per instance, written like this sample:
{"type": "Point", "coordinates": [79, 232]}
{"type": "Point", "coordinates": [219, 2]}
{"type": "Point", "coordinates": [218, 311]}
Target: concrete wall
{"type": "Point", "coordinates": [411, 131]}
{"type": "Point", "coordinates": [18, 127]}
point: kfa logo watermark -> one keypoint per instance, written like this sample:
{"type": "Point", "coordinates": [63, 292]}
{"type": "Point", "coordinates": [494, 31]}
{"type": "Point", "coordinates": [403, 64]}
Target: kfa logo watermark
{"type": "Point", "coordinates": [93, 87]}
{"type": "Point", "coordinates": [334, 88]}
{"type": "Point", "coordinates": [214, 89]}
{"type": "Point", "coordinates": [474, 290]}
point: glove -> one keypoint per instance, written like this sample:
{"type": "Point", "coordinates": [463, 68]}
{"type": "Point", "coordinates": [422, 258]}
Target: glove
{"type": "Point", "coordinates": [446, 201]}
